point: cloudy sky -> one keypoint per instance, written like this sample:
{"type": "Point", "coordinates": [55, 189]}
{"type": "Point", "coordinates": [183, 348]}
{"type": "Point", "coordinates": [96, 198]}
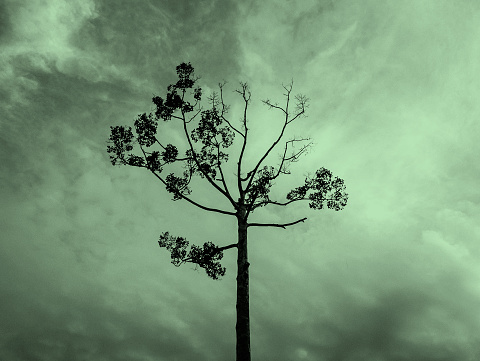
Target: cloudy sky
{"type": "Point", "coordinates": [394, 112]}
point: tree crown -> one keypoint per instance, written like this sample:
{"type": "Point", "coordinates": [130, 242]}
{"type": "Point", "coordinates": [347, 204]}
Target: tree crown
{"type": "Point", "coordinates": [208, 134]}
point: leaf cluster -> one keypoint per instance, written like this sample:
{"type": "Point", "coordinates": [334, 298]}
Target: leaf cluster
{"type": "Point", "coordinates": [321, 189]}
{"type": "Point", "coordinates": [257, 194]}
{"type": "Point", "coordinates": [207, 257]}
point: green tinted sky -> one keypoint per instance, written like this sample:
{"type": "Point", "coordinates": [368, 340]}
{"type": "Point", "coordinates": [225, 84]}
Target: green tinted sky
{"type": "Point", "coordinates": [394, 89]}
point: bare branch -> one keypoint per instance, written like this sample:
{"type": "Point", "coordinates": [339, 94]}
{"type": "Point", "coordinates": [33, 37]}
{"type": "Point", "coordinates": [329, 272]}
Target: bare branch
{"type": "Point", "coordinates": [293, 157]}
{"type": "Point", "coordinates": [222, 179]}
{"type": "Point", "coordinates": [224, 111]}
{"type": "Point", "coordinates": [244, 179]}
{"type": "Point", "coordinates": [231, 126]}
{"type": "Point", "coordinates": [254, 171]}
{"type": "Point", "coordinates": [176, 117]}
{"type": "Point", "coordinates": [193, 117]}
{"type": "Point", "coordinates": [296, 116]}
{"type": "Point", "coordinates": [271, 105]}
{"type": "Point", "coordinates": [289, 88]}
{"type": "Point", "coordinates": [284, 225]}
{"type": "Point", "coordinates": [227, 247]}
{"type": "Point", "coordinates": [300, 105]}
{"type": "Point", "coordinates": [278, 203]}
{"type": "Point", "coordinates": [246, 98]}
{"type": "Point", "coordinates": [160, 144]}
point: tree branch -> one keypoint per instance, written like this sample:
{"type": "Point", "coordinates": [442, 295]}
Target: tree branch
{"type": "Point", "coordinates": [193, 202]}
{"type": "Point", "coordinates": [210, 180]}
{"type": "Point", "coordinates": [198, 112]}
{"type": "Point", "coordinates": [278, 203]}
{"type": "Point", "coordinates": [292, 158]}
{"type": "Point", "coordinates": [224, 111]}
{"type": "Point", "coordinates": [227, 247]}
{"type": "Point", "coordinates": [301, 106]}
{"type": "Point", "coordinates": [246, 99]}
{"type": "Point", "coordinates": [269, 103]}
{"type": "Point", "coordinates": [264, 203]}
{"type": "Point", "coordinates": [284, 225]}
{"type": "Point", "coordinates": [222, 179]}
{"type": "Point", "coordinates": [218, 249]}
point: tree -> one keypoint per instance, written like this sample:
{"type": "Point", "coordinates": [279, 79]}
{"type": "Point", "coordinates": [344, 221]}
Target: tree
{"type": "Point", "coordinates": [208, 133]}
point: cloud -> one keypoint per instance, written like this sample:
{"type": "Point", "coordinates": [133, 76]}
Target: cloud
{"type": "Point", "coordinates": [39, 34]}
{"type": "Point", "coordinates": [353, 297]}
{"type": "Point", "coordinates": [393, 111]}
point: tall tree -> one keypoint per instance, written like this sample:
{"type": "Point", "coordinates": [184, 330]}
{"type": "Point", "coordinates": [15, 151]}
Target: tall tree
{"type": "Point", "coordinates": [208, 133]}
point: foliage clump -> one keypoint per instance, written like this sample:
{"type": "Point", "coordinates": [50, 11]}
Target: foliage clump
{"type": "Point", "coordinates": [207, 257]}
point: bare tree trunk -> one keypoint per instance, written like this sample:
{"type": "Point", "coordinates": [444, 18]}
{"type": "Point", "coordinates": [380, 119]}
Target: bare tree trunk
{"type": "Point", "coordinates": [243, 309]}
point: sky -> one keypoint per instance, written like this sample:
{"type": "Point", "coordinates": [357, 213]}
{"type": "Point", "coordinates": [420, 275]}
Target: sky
{"type": "Point", "coordinates": [393, 88]}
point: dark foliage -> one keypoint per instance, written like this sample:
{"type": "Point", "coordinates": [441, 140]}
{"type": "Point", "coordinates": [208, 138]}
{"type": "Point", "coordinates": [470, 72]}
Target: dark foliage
{"type": "Point", "coordinates": [121, 139]}
{"type": "Point", "coordinates": [207, 257]}
{"type": "Point", "coordinates": [321, 190]}
{"type": "Point", "coordinates": [211, 132]}
{"type": "Point", "coordinates": [260, 188]}
{"type": "Point", "coordinates": [146, 129]}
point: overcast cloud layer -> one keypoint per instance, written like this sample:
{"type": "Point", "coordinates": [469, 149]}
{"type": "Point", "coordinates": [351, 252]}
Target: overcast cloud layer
{"type": "Point", "coordinates": [394, 111]}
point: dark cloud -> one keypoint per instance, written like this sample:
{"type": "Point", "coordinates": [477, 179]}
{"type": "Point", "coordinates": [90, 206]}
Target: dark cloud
{"type": "Point", "coordinates": [393, 320]}
{"type": "Point", "coordinates": [152, 37]}
{"type": "Point", "coordinates": [82, 327]}
{"type": "Point", "coordinates": [5, 22]}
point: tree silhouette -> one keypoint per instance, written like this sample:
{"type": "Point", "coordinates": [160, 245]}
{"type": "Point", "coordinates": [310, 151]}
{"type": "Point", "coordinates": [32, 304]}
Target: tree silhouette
{"type": "Point", "coordinates": [208, 133]}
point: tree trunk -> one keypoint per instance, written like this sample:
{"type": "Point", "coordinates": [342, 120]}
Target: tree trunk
{"type": "Point", "coordinates": [243, 309]}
